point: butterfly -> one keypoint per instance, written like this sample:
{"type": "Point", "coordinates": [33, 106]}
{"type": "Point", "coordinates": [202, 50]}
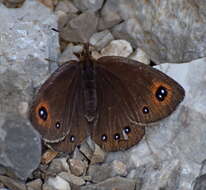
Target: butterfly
{"type": "Point", "coordinates": [111, 99]}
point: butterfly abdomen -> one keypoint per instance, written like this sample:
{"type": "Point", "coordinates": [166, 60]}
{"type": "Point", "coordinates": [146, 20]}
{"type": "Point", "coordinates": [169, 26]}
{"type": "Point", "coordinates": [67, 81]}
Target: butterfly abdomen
{"type": "Point", "coordinates": [89, 90]}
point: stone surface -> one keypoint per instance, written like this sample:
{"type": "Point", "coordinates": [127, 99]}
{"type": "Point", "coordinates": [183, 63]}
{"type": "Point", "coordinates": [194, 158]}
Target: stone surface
{"type": "Point", "coordinates": [20, 146]}
{"type": "Point", "coordinates": [58, 165]}
{"type": "Point", "coordinates": [141, 56]}
{"type": "Point", "coordinates": [117, 48]}
{"type": "Point", "coordinates": [98, 155]}
{"type": "Point", "coordinates": [168, 31]}
{"type": "Point", "coordinates": [72, 178]}
{"type": "Point", "coordinates": [35, 184]}
{"type": "Point", "coordinates": [58, 183]}
{"type": "Point", "coordinates": [77, 167]}
{"type": "Point", "coordinates": [200, 183]}
{"type": "Point", "coordinates": [12, 184]}
{"type": "Point", "coordinates": [101, 39]}
{"type": "Point", "coordinates": [112, 183]}
{"type": "Point", "coordinates": [66, 6]}
{"type": "Point", "coordinates": [119, 168]}
{"type": "Point", "coordinates": [80, 28]}
{"type": "Point", "coordinates": [85, 5]}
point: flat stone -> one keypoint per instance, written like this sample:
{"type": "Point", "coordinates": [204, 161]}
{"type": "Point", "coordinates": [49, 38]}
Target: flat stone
{"type": "Point", "coordinates": [77, 167]}
{"type": "Point", "coordinates": [85, 5]}
{"type": "Point", "coordinates": [119, 168]}
{"type": "Point", "coordinates": [100, 39]}
{"type": "Point", "coordinates": [17, 139]}
{"type": "Point", "coordinates": [80, 28]}
{"type": "Point", "coordinates": [58, 183]}
{"type": "Point", "coordinates": [58, 165]}
{"type": "Point", "coordinates": [176, 34]}
{"type": "Point", "coordinates": [119, 183]}
{"type": "Point", "coordinates": [72, 178]}
{"type": "Point", "coordinates": [141, 56]}
{"type": "Point", "coordinates": [12, 184]}
{"type": "Point", "coordinates": [99, 173]}
{"type": "Point", "coordinates": [117, 48]}
{"type": "Point", "coordinates": [66, 7]}
{"type": "Point", "coordinates": [35, 184]}
{"type": "Point", "coordinates": [98, 155]}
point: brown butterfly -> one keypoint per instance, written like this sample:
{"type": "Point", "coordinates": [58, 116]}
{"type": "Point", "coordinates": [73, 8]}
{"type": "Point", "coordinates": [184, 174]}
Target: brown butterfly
{"type": "Point", "coordinates": [111, 99]}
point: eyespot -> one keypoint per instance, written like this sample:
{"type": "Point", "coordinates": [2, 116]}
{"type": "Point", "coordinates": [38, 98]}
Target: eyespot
{"type": "Point", "coordinates": [57, 125]}
{"type": "Point", "coordinates": [72, 138]}
{"type": "Point", "coordinates": [145, 110]}
{"type": "Point", "coordinates": [43, 114]}
{"type": "Point", "coordinates": [161, 93]}
{"type": "Point", "coordinates": [127, 130]}
{"type": "Point", "coordinates": [104, 137]}
{"type": "Point", "coordinates": [116, 136]}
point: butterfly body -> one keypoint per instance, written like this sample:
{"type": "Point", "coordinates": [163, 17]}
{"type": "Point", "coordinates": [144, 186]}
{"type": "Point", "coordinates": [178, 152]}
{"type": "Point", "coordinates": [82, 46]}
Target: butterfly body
{"type": "Point", "coordinates": [111, 99]}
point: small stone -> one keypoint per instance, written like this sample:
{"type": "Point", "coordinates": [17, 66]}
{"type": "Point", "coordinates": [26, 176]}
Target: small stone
{"type": "Point", "coordinates": [23, 108]}
{"type": "Point", "coordinates": [85, 5]}
{"type": "Point", "coordinates": [48, 156]}
{"type": "Point", "coordinates": [86, 150]}
{"type": "Point", "coordinates": [12, 184]}
{"type": "Point", "coordinates": [200, 183]}
{"type": "Point", "coordinates": [35, 184]}
{"type": "Point", "coordinates": [72, 178]}
{"type": "Point", "coordinates": [119, 168]}
{"type": "Point", "coordinates": [108, 17]}
{"type": "Point", "coordinates": [117, 48]}
{"type": "Point", "coordinates": [66, 6]}
{"type": "Point", "coordinates": [80, 28]}
{"type": "Point", "coordinates": [77, 167]}
{"type": "Point", "coordinates": [68, 53]}
{"type": "Point", "coordinates": [13, 3]}
{"type": "Point", "coordinates": [58, 165]}
{"type": "Point", "coordinates": [98, 155]}
{"type": "Point", "coordinates": [17, 139]}
{"type": "Point", "coordinates": [99, 173]}
{"type": "Point", "coordinates": [58, 183]}
{"type": "Point", "coordinates": [141, 56]}
{"type": "Point", "coordinates": [48, 3]}
{"type": "Point", "coordinates": [47, 187]}
{"type": "Point", "coordinates": [114, 183]}
{"type": "Point", "coordinates": [100, 39]}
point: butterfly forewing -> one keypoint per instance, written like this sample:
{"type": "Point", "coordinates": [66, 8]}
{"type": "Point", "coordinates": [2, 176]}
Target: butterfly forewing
{"type": "Point", "coordinates": [54, 110]}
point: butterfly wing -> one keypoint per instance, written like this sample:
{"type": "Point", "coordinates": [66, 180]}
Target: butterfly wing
{"type": "Point", "coordinates": [55, 108]}
{"type": "Point", "coordinates": [130, 95]}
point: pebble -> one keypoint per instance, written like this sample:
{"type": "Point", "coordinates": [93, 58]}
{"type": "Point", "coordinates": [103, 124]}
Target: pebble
{"type": "Point", "coordinates": [117, 48]}
{"type": "Point", "coordinates": [141, 56]}
{"type": "Point", "coordinates": [35, 184]}
{"type": "Point", "coordinates": [119, 168]}
{"type": "Point", "coordinates": [58, 183]}
{"type": "Point", "coordinates": [98, 155]}
{"type": "Point", "coordinates": [91, 5]}
{"type": "Point", "coordinates": [77, 167]}
{"type": "Point", "coordinates": [72, 178]}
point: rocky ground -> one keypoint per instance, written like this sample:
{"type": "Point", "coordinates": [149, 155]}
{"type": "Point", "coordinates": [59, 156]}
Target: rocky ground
{"type": "Point", "coordinates": [172, 154]}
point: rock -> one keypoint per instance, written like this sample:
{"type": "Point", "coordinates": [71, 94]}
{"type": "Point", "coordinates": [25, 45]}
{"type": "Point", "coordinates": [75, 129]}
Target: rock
{"type": "Point", "coordinates": [77, 167]}
{"type": "Point", "coordinates": [91, 5]}
{"type": "Point", "coordinates": [35, 184]}
{"type": "Point", "coordinates": [80, 28]}
{"type": "Point", "coordinates": [48, 156]}
{"type": "Point", "coordinates": [100, 173]}
{"type": "Point", "coordinates": [175, 35]}
{"type": "Point", "coordinates": [48, 3]}
{"type": "Point", "coordinates": [58, 183]}
{"type": "Point", "coordinates": [119, 183]}
{"type": "Point", "coordinates": [86, 150]}
{"type": "Point", "coordinates": [72, 178]}
{"type": "Point", "coordinates": [141, 56]}
{"type": "Point", "coordinates": [66, 7]}
{"type": "Point", "coordinates": [58, 165]}
{"type": "Point", "coordinates": [12, 184]}
{"type": "Point", "coordinates": [100, 39]}
{"type": "Point", "coordinates": [17, 139]}
{"type": "Point", "coordinates": [117, 48]}
{"type": "Point", "coordinates": [109, 16]}
{"type": "Point", "coordinates": [119, 168]}
{"type": "Point", "coordinates": [47, 187]}
{"type": "Point", "coordinates": [98, 155]}
{"type": "Point", "coordinates": [13, 3]}
{"type": "Point", "coordinates": [200, 183]}
{"type": "Point", "coordinates": [69, 53]}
